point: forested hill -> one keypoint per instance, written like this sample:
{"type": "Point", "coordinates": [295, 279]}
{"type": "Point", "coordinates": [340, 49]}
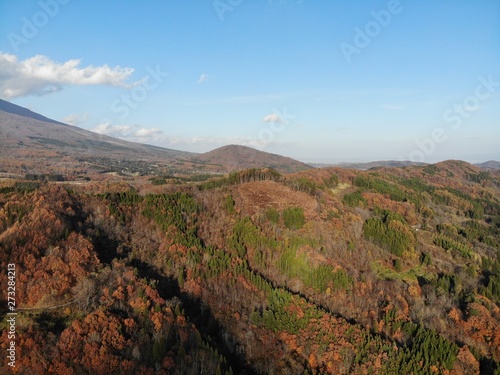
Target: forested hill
{"type": "Point", "coordinates": [34, 144]}
{"type": "Point", "coordinates": [327, 271]}
{"type": "Point", "coordinates": [235, 157]}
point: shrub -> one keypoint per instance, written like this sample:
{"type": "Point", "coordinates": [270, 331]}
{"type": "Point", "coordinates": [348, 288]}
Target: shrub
{"type": "Point", "coordinates": [380, 186]}
{"type": "Point", "coordinates": [354, 199]}
{"type": "Point", "coordinates": [390, 233]}
{"type": "Point", "coordinates": [158, 181]}
{"type": "Point", "coordinates": [294, 217]}
{"type": "Point", "coordinates": [229, 204]}
{"type": "Point", "coordinates": [273, 215]}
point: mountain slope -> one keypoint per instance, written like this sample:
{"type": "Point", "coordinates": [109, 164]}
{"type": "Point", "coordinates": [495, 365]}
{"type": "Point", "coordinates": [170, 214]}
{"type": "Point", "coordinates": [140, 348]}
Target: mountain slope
{"type": "Point", "coordinates": [14, 109]}
{"type": "Point", "coordinates": [380, 164]}
{"type": "Point", "coordinates": [490, 164]}
{"type": "Point", "coordinates": [234, 157]}
{"type": "Point", "coordinates": [334, 271]}
{"type": "Point", "coordinates": [33, 143]}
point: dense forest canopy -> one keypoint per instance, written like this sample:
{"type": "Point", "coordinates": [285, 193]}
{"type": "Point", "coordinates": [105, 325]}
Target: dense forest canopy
{"type": "Point", "coordinates": [392, 271]}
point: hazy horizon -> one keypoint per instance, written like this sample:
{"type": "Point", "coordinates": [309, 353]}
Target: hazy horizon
{"type": "Point", "coordinates": [318, 82]}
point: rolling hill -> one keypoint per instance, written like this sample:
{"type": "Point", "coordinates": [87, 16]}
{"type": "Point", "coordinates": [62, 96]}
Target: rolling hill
{"type": "Point", "coordinates": [14, 109]}
{"type": "Point", "coordinates": [234, 157]}
{"type": "Point", "coordinates": [323, 271]}
{"type": "Point", "coordinates": [490, 164]}
{"type": "Point", "coordinates": [392, 270]}
{"type": "Point", "coordinates": [32, 143]}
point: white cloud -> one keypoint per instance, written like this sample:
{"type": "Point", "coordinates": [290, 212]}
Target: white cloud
{"type": "Point", "coordinates": [39, 75]}
{"type": "Point", "coordinates": [279, 117]}
{"type": "Point", "coordinates": [76, 120]}
{"type": "Point", "coordinates": [148, 133]}
{"type": "Point", "coordinates": [130, 133]}
{"type": "Point", "coordinates": [273, 117]}
{"type": "Point", "coordinates": [107, 128]}
{"type": "Point", "coordinates": [203, 144]}
{"type": "Point", "coordinates": [203, 78]}
{"type": "Point", "coordinates": [157, 137]}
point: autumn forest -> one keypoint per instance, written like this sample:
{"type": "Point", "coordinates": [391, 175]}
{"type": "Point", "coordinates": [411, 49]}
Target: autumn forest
{"type": "Point", "coordinates": [325, 271]}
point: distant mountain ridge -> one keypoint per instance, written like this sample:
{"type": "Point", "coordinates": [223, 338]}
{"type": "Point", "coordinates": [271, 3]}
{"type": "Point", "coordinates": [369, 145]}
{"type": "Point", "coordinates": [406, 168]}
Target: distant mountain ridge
{"type": "Point", "coordinates": [12, 108]}
{"type": "Point", "coordinates": [288, 270]}
{"type": "Point", "coordinates": [371, 164]}
{"type": "Point", "coordinates": [32, 143]}
{"type": "Point", "coordinates": [18, 124]}
{"type": "Point", "coordinates": [236, 157]}
{"type": "Point", "coordinates": [490, 164]}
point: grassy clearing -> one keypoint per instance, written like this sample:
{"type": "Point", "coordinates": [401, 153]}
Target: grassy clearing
{"type": "Point", "coordinates": [341, 186]}
{"type": "Point", "coordinates": [388, 273]}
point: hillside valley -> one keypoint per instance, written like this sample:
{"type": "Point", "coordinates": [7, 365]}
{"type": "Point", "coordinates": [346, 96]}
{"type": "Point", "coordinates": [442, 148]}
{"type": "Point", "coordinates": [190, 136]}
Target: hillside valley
{"type": "Point", "coordinates": [132, 258]}
{"type": "Point", "coordinates": [338, 271]}
{"type": "Point", "coordinates": [36, 145]}
{"type": "Point", "coordinates": [229, 187]}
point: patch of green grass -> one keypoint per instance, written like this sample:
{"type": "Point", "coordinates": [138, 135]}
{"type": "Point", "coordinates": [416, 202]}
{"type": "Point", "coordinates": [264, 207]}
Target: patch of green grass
{"type": "Point", "coordinates": [294, 217]}
{"type": "Point", "coordinates": [341, 186]}
{"type": "Point", "coordinates": [319, 277]}
{"type": "Point", "coordinates": [388, 273]}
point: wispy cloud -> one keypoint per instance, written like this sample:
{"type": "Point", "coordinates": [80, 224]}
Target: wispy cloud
{"type": "Point", "coordinates": [151, 133]}
{"type": "Point", "coordinates": [201, 144]}
{"type": "Point", "coordinates": [135, 133]}
{"type": "Point", "coordinates": [39, 75]}
{"type": "Point", "coordinates": [76, 120]}
{"type": "Point", "coordinates": [130, 133]}
{"type": "Point", "coordinates": [107, 128]}
{"type": "Point", "coordinates": [249, 99]}
{"type": "Point", "coordinates": [203, 78]}
{"type": "Point", "coordinates": [273, 117]}
{"type": "Point", "coordinates": [279, 117]}
{"type": "Point", "coordinates": [378, 92]}
{"type": "Point", "coordinates": [394, 107]}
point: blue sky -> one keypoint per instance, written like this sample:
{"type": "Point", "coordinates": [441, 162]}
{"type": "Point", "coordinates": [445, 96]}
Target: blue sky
{"type": "Point", "coordinates": [315, 80]}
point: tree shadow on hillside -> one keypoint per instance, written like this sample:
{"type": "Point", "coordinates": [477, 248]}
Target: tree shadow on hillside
{"type": "Point", "coordinates": [198, 313]}
{"type": "Point", "coordinates": [107, 247]}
